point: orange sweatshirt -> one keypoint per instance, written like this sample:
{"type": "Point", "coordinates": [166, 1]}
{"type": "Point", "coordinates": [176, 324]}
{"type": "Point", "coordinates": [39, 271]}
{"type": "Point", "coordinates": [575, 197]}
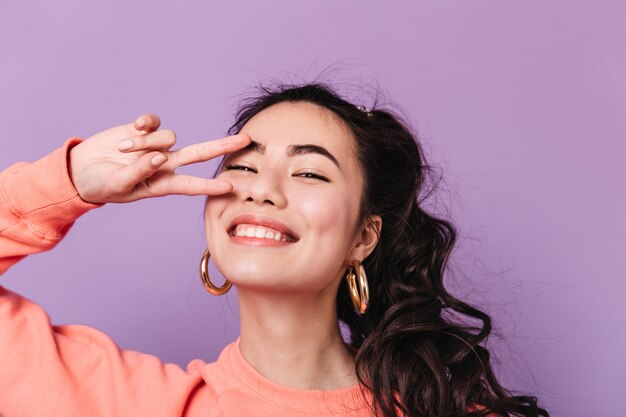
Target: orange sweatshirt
{"type": "Point", "coordinates": [67, 371]}
{"type": "Point", "coordinates": [57, 371]}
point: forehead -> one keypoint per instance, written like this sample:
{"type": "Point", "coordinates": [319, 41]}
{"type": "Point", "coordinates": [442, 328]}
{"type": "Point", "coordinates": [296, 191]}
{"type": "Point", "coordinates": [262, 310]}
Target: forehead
{"type": "Point", "coordinates": [287, 123]}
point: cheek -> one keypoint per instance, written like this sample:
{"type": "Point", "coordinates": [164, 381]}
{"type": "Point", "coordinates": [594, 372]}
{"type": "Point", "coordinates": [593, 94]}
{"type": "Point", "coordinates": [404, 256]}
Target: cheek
{"type": "Point", "coordinates": [212, 210]}
{"type": "Point", "coordinates": [330, 215]}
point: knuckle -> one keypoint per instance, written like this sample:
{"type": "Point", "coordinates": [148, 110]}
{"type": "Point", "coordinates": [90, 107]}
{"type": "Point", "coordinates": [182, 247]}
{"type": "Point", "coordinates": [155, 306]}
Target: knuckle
{"type": "Point", "coordinates": [206, 148]}
{"type": "Point", "coordinates": [118, 187]}
{"type": "Point", "coordinates": [187, 184]}
{"type": "Point", "coordinates": [223, 145]}
{"type": "Point", "coordinates": [199, 151]}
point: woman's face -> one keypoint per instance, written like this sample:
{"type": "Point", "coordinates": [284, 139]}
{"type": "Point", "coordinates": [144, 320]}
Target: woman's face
{"type": "Point", "coordinates": [290, 223]}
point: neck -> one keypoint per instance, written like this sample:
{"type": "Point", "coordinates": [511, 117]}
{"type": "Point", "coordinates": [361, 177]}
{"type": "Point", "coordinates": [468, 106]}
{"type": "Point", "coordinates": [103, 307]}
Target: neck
{"type": "Point", "coordinates": [294, 340]}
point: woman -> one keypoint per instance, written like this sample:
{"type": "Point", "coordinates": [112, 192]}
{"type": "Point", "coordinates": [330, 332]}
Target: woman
{"type": "Point", "coordinates": [314, 215]}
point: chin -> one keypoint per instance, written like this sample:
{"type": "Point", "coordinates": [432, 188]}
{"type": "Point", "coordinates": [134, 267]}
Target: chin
{"type": "Point", "coordinates": [246, 273]}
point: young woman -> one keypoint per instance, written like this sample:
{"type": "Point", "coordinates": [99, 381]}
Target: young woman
{"type": "Point", "coordinates": [314, 214]}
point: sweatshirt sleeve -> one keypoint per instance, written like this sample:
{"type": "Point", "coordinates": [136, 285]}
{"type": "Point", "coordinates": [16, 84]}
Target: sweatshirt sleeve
{"type": "Point", "coordinates": [38, 205]}
{"type": "Point", "coordinates": [72, 370]}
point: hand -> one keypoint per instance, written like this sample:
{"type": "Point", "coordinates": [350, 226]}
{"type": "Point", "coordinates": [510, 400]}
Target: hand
{"type": "Point", "coordinates": [103, 171]}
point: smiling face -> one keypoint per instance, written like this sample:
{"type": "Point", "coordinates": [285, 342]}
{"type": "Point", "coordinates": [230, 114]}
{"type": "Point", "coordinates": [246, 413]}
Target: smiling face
{"type": "Point", "coordinates": [291, 222]}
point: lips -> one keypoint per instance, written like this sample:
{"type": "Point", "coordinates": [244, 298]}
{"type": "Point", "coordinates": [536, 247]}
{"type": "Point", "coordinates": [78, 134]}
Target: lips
{"type": "Point", "coordinates": [248, 221]}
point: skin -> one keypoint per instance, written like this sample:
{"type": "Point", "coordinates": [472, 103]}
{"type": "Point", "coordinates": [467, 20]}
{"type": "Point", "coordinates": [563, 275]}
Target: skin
{"type": "Point", "coordinates": [289, 329]}
{"type": "Point", "coordinates": [104, 171]}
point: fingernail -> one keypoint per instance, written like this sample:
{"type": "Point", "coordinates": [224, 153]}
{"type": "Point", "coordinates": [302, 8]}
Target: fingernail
{"type": "Point", "coordinates": [125, 145]}
{"type": "Point", "coordinates": [140, 123]}
{"type": "Point", "coordinates": [158, 160]}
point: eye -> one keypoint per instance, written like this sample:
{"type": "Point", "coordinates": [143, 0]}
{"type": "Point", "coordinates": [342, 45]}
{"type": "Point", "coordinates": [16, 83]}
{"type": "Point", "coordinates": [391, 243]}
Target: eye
{"type": "Point", "coordinates": [245, 168]}
{"type": "Point", "coordinates": [238, 167]}
{"type": "Point", "coordinates": [312, 175]}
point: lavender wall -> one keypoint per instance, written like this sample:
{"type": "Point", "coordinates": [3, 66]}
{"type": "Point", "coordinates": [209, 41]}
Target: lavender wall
{"type": "Point", "coordinates": [521, 103]}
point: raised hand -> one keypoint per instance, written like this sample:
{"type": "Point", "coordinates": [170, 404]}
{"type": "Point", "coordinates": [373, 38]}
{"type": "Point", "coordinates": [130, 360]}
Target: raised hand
{"type": "Point", "coordinates": [104, 169]}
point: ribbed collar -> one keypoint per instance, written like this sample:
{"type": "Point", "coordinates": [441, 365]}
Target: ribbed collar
{"type": "Point", "coordinates": [341, 400]}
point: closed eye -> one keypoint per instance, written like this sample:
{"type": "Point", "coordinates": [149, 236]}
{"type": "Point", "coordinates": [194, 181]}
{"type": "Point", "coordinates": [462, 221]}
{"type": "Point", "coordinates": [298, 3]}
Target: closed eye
{"type": "Point", "coordinates": [239, 167]}
{"type": "Point", "coordinates": [307, 174]}
{"type": "Point", "coordinates": [313, 175]}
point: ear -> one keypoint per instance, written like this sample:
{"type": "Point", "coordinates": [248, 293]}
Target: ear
{"type": "Point", "coordinates": [366, 238]}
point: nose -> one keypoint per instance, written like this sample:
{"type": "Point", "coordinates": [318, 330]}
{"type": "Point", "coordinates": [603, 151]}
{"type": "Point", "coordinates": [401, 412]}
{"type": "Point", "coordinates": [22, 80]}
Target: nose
{"type": "Point", "coordinates": [264, 189]}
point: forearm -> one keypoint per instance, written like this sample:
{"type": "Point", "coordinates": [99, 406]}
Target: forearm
{"type": "Point", "coordinates": [74, 370]}
{"type": "Point", "coordinates": [38, 205]}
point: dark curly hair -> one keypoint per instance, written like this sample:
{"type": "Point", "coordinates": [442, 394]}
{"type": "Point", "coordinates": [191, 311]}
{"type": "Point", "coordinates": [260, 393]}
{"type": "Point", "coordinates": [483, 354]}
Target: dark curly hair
{"type": "Point", "coordinates": [416, 354]}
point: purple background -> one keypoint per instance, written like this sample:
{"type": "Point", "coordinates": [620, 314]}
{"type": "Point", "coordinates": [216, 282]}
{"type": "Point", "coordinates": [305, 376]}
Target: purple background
{"type": "Point", "coordinates": [521, 104]}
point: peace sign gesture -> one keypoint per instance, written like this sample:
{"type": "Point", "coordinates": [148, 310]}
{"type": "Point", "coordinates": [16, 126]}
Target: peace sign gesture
{"type": "Point", "coordinates": [133, 161]}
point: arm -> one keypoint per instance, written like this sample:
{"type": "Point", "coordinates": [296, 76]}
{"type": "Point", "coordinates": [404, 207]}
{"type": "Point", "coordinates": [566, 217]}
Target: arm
{"type": "Point", "coordinates": [38, 205]}
{"type": "Point", "coordinates": [48, 370]}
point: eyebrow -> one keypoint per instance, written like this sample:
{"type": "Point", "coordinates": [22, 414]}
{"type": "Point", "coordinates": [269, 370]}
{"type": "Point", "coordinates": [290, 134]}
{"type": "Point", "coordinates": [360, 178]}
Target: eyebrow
{"type": "Point", "coordinates": [294, 150]}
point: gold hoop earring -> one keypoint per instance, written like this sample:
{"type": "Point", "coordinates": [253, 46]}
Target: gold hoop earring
{"type": "Point", "coordinates": [206, 280]}
{"type": "Point", "coordinates": [360, 295]}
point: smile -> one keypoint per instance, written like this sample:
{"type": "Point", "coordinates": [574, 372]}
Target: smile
{"type": "Point", "coordinates": [260, 232]}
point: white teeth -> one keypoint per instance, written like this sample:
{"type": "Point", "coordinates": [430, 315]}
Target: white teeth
{"type": "Point", "coordinates": [259, 233]}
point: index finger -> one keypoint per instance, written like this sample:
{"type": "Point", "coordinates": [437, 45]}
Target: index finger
{"type": "Point", "coordinates": [204, 151]}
